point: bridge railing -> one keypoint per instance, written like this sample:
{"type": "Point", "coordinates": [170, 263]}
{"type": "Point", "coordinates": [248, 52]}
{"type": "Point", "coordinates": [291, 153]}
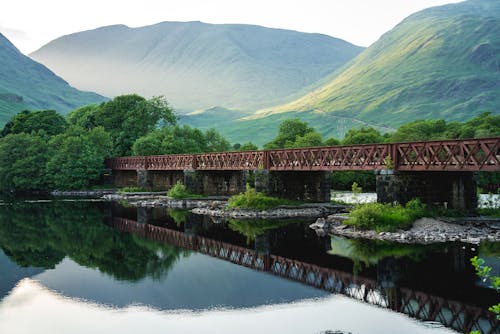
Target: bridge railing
{"type": "Point", "coordinates": [171, 162]}
{"type": "Point", "coordinates": [351, 157]}
{"type": "Point", "coordinates": [244, 160]}
{"type": "Point", "coordinates": [460, 155]}
{"type": "Point", "coordinates": [443, 155]}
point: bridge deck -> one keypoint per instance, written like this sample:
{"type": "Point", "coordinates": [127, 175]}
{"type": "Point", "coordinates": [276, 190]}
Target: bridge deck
{"type": "Point", "coordinates": [444, 155]}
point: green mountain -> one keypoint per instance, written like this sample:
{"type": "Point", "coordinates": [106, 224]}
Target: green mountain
{"type": "Point", "coordinates": [26, 84]}
{"type": "Point", "coordinates": [442, 62]}
{"type": "Point", "coordinates": [197, 65]}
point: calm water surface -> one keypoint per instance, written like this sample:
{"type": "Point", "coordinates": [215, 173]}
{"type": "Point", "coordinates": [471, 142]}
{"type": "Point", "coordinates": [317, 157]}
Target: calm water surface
{"type": "Point", "coordinates": [84, 267]}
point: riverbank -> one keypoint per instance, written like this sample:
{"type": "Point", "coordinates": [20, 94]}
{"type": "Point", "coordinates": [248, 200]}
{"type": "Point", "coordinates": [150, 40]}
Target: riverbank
{"type": "Point", "coordinates": [472, 230]}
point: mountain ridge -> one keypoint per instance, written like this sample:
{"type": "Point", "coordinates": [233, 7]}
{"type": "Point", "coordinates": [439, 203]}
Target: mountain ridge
{"type": "Point", "coordinates": [197, 65]}
{"type": "Point", "coordinates": [27, 84]}
{"type": "Point", "coordinates": [442, 62]}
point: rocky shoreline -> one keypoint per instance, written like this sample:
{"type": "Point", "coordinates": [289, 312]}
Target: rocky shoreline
{"type": "Point", "coordinates": [302, 211]}
{"type": "Point", "coordinates": [471, 230]}
{"type": "Point", "coordinates": [330, 219]}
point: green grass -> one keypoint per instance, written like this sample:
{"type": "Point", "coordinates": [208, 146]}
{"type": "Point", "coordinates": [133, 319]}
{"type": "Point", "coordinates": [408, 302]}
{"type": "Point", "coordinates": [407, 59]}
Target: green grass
{"type": "Point", "coordinates": [132, 190]}
{"type": "Point", "coordinates": [252, 199]}
{"type": "Point", "coordinates": [436, 64]}
{"type": "Point", "coordinates": [179, 191]}
{"type": "Point", "coordinates": [490, 212]}
{"type": "Point", "coordinates": [386, 217]}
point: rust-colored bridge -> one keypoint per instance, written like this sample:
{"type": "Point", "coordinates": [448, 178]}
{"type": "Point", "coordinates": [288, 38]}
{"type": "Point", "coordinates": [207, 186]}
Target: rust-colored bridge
{"type": "Point", "coordinates": [434, 171]}
{"type": "Point", "coordinates": [444, 155]}
{"type": "Point", "coordinates": [420, 305]}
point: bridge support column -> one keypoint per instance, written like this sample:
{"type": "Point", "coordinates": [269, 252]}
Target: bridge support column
{"type": "Point", "coordinates": [299, 186]}
{"type": "Point", "coordinates": [165, 179]}
{"type": "Point", "coordinates": [144, 179]}
{"type": "Point", "coordinates": [454, 190]}
{"type": "Point", "coordinates": [215, 183]}
{"type": "Point", "coordinates": [124, 178]}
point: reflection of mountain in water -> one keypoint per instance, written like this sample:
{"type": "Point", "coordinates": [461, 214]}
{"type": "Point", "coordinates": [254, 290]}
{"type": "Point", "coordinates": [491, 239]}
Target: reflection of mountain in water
{"type": "Point", "coordinates": [11, 274]}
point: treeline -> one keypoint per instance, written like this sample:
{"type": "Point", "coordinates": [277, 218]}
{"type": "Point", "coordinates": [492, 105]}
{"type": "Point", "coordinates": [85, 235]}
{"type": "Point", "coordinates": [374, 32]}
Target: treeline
{"type": "Point", "coordinates": [43, 150]}
{"type": "Point", "coordinates": [294, 133]}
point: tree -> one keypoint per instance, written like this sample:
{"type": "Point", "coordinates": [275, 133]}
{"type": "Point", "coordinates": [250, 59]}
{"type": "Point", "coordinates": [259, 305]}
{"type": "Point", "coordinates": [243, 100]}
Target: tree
{"type": "Point", "coordinates": [78, 157]}
{"type": "Point", "coordinates": [22, 162]}
{"type": "Point", "coordinates": [84, 117]}
{"type": "Point", "coordinates": [249, 146]}
{"type": "Point", "coordinates": [309, 139]}
{"type": "Point", "coordinates": [26, 121]}
{"type": "Point", "coordinates": [177, 139]}
{"type": "Point", "coordinates": [215, 142]}
{"type": "Point", "coordinates": [420, 130]}
{"type": "Point", "coordinates": [126, 118]}
{"type": "Point", "coordinates": [363, 136]}
{"type": "Point", "coordinates": [288, 133]}
{"type": "Point", "coordinates": [331, 142]}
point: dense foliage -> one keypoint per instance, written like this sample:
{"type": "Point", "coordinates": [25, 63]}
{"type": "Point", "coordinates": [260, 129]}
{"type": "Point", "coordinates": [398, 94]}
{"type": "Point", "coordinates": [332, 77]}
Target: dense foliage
{"type": "Point", "coordinates": [126, 118]}
{"type": "Point", "coordinates": [251, 199]}
{"type": "Point", "coordinates": [386, 217]}
{"type": "Point", "coordinates": [176, 139]}
{"type": "Point", "coordinates": [179, 191]}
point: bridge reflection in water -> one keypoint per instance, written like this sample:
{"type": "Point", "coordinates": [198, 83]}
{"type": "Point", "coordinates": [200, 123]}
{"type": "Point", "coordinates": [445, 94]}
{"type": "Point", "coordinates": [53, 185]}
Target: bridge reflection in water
{"type": "Point", "coordinates": [417, 304]}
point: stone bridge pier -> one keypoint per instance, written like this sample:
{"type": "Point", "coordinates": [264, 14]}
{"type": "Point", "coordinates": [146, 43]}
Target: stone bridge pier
{"type": "Point", "coordinates": [454, 190]}
{"type": "Point", "coordinates": [215, 182]}
{"type": "Point", "coordinates": [310, 186]}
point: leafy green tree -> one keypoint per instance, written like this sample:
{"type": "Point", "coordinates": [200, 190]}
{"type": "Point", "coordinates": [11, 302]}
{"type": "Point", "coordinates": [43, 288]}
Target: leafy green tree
{"type": "Point", "coordinates": [420, 130]}
{"type": "Point", "coordinates": [331, 142]}
{"type": "Point", "coordinates": [363, 136]}
{"type": "Point", "coordinates": [215, 142]}
{"type": "Point", "coordinates": [126, 118]}
{"type": "Point", "coordinates": [180, 139]}
{"type": "Point", "coordinates": [249, 146]}
{"type": "Point", "coordinates": [48, 121]}
{"type": "Point", "coordinates": [84, 117]}
{"type": "Point", "coordinates": [78, 157]}
{"type": "Point", "coordinates": [288, 132]}
{"type": "Point", "coordinates": [22, 162]}
{"type": "Point", "coordinates": [309, 139]}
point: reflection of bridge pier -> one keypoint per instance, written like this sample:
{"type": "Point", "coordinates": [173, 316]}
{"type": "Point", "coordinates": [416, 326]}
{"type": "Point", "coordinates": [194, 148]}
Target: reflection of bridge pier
{"type": "Point", "coordinates": [384, 292]}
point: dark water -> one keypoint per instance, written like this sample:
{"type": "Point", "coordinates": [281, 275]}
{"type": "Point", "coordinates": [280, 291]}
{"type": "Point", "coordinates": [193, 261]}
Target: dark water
{"type": "Point", "coordinates": [85, 267]}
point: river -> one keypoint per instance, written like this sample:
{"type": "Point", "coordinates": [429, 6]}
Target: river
{"type": "Point", "coordinates": [95, 267]}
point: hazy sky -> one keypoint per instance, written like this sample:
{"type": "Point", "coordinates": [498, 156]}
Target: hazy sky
{"type": "Point", "coordinates": [29, 24]}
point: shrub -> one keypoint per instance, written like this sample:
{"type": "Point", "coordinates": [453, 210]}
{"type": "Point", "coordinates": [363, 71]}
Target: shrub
{"type": "Point", "coordinates": [132, 190]}
{"type": "Point", "coordinates": [386, 217]}
{"type": "Point", "coordinates": [251, 199]}
{"type": "Point", "coordinates": [179, 191]}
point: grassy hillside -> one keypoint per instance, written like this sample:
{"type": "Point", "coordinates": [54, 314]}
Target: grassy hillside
{"type": "Point", "coordinates": [237, 127]}
{"type": "Point", "coordinates": [442, 62]}
{"type": "Point", "coordinates": [26, 84]}
{"type": "Point", "coordinates": [197, 65]}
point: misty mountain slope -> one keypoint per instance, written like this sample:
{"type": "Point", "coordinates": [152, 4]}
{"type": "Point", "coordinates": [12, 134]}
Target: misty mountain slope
{"type": "Point", "coordinates": [26, 84]}
{"type": "Point", "coordinates": [442, 62]}
{"type": "Point", "coordinates": [197, 65]}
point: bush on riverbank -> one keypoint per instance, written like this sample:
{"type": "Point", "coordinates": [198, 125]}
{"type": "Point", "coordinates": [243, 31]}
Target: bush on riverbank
{"type": "Point", "coordinates": [179, 191]}
{"type": "Point", "coordinates": [251, 199]}
{"type": "Point", "coordinates": [132, 190]}
{"type": "Point", "coordinates": [386, 217]}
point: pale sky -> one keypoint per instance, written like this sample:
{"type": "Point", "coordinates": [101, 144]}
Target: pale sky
{"type": "Point", "coordinates": [29, 24]}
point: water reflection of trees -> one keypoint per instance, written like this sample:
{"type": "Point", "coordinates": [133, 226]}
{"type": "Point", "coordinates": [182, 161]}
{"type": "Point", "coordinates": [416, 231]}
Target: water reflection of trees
{"type": "Point", "coordinates": [251, 228]}
{"type": "Point", "coordinates": [42, 234]}
{"type": "Point", "coordinates": [366, 253]}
